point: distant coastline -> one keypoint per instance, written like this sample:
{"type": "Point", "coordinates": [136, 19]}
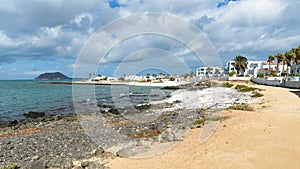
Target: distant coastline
{"type": "Point", "coordinates": [163, 84]}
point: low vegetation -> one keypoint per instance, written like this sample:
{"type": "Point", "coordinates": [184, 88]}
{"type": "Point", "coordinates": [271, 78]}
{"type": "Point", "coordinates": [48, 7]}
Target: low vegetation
{"type": "Point", "coordinates": [244, 88]}
{"type": "Point", "coordinates": [244, 107]}
{"type": "Point", "coordinates": [232, 73]}
{"type": "Point", "coordinates": [260, 75]}
{"type": "Point", "coordinates": [228, 85]}
{"type": "Point", "coordinates": [257, 94]}
{"type": "Point", "coordinates": [199, 121]}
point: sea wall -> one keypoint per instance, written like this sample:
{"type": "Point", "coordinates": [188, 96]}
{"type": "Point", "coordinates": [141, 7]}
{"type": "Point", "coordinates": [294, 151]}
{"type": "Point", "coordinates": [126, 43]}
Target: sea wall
{"type": "Point", "coordinates": [292, 84]}
{"type": "Point", "coordinates": [276, 81]}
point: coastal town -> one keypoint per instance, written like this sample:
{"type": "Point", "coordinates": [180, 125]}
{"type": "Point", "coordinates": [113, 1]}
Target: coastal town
{"type": "Point", "coordinates": [280, 69]}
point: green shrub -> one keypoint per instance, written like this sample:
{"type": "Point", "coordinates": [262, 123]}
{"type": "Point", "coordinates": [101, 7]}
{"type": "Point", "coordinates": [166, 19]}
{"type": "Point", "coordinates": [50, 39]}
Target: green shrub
{"type": "Point", "coordinates": [256, 94]}
{"type": "Point", "coordinates": [232, 73]}
{"type": "Point", "coordinates": [244, 88]}
{"type": "Point", "coordinates": [272, 74]}
{"type": "Point", "coordinates": [228, 85]}
{"type": "Point", "coordinates": [238, 87]}
{"type": "Point", "coordinates": [260, 75]}
{"type": "Point", "coordinates": [244, 107]}
{"type": "Point", "coordinates": [199, 121]}
{"type": "Point", "coordinates": [247, 89]}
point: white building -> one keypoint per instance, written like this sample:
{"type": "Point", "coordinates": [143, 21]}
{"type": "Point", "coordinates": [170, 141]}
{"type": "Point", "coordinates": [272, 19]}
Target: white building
{"type": "Point", "coordinates": [229, 67]}
{"type": "Point", "coordinates": [209, 71]}
{"type": "Point", "coordinates": [101, 78]}
{"type": "Point", "coordinates": [253, 68]}
{"type": "Point", "coordinates": [273, 68]}
{"type": "Point", "coordinates": [135, 78]}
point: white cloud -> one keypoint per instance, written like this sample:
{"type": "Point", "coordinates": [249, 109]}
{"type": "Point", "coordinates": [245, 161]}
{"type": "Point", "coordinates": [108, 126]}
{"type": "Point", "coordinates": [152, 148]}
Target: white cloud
{"type": "Point", "coordinates": [7, 42]}
{"type": "Point", "coordinates": [82, 18]}
{"type": "Point", "coordinates": [47, 30]}
{"type": "Point", "coordinates": [36, 72]}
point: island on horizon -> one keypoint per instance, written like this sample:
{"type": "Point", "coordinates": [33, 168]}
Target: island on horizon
{"type": "Point", "coordinates": [52, 76]}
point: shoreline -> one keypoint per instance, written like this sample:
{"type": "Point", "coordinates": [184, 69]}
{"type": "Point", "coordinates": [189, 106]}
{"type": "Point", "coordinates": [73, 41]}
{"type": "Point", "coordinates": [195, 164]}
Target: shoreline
{"type": "Point", "coordinates": [150, 84]}
{"type": "Point", "coordinates": [40, 127]}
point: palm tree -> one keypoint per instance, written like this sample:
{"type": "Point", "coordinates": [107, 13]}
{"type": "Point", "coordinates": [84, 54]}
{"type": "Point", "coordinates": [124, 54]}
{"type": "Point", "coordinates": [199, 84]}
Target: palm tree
{"type": "Point", "coordinates": [279, 57]}
{"type": "Point", "coordinates": [271, 58]}
{"type": "Point", "coordinates": [289, 58]}
{"type": "Point", "coordinates": [240, 63]}
{"type": "Point", "coordinates": [217, 71]}
{"type": "Point", "coordinates": [192, 74]}
{"type": "Point", "coordinates": [209, 69]}
{"type": "Point", "coordinates": [91, 74]}
{"type": "Point", "coordinates": [297, 59]}
{"type": "Point", "coordinates": [283, 62]}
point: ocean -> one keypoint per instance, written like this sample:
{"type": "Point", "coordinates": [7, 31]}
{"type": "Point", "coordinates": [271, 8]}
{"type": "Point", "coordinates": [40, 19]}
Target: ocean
{"type": "Point", "coordinates": [22, 96]}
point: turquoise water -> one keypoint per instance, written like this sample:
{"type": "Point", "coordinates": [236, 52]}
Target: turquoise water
{"type": "Point", "coordinates": [18, 97]}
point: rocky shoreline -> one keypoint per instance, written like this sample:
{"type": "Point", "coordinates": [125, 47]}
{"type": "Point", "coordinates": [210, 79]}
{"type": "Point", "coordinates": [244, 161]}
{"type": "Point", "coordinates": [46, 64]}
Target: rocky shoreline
{"type": "Point", "coordinates": [67, 141]}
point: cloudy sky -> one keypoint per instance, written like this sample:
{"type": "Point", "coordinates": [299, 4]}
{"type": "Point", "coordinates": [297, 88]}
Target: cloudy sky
{"type": "Point", "coordinates": [45, 36]}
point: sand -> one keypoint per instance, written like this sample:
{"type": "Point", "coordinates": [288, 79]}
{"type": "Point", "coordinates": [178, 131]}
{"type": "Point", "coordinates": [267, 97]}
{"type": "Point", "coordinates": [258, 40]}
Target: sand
{"type": "Point", "coordinates": [268, 137]}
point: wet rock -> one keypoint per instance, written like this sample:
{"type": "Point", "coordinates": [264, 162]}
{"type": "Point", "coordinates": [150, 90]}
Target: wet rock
{"type": "Point", "coordinates": [35, 115]}
{"type": "Point", "coordinates": [4, 124]}
{"type": "Point", "coordinates": [14, 122]}
{"type": "Point", "coordinates": [114, 111]}
{"type": "Point", "coordinates": [143, 106]}
{"type": "Point", "coordinates": [172, 87]}
{"type": "Point", "coordinates": [177, 101]}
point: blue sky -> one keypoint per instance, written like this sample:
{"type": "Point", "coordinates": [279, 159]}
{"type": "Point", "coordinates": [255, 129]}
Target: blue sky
{"type": "Point", "coordinates": [46, 36]}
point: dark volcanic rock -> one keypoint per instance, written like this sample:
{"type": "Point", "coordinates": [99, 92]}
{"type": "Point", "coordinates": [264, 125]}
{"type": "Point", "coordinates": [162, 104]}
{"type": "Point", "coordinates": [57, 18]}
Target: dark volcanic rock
{"type": "Point", "coordinates": [143, 106]}
{"type": "Point", "coordinates": [4, 124]}
{"type": "Point", "coordinates": [14, 122]}
{"type": "Point", "coordinates": [52, 76]}
{"type": "Point", "coordinates": [172, 87]}
{"type": "Point", "coordinates": [114, 111]}
{"type": "Point", "coordinates": [35, 115]}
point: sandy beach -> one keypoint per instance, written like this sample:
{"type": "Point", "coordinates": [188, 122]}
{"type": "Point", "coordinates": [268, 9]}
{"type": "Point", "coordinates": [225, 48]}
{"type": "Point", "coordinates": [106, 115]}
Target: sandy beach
{"type": "Point", "coordinates": [268, 137]}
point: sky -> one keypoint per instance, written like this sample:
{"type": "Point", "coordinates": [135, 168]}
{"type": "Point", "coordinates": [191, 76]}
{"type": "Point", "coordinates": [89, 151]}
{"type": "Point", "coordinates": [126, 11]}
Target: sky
{"type": "Point", "coordinates": [48, 36]}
